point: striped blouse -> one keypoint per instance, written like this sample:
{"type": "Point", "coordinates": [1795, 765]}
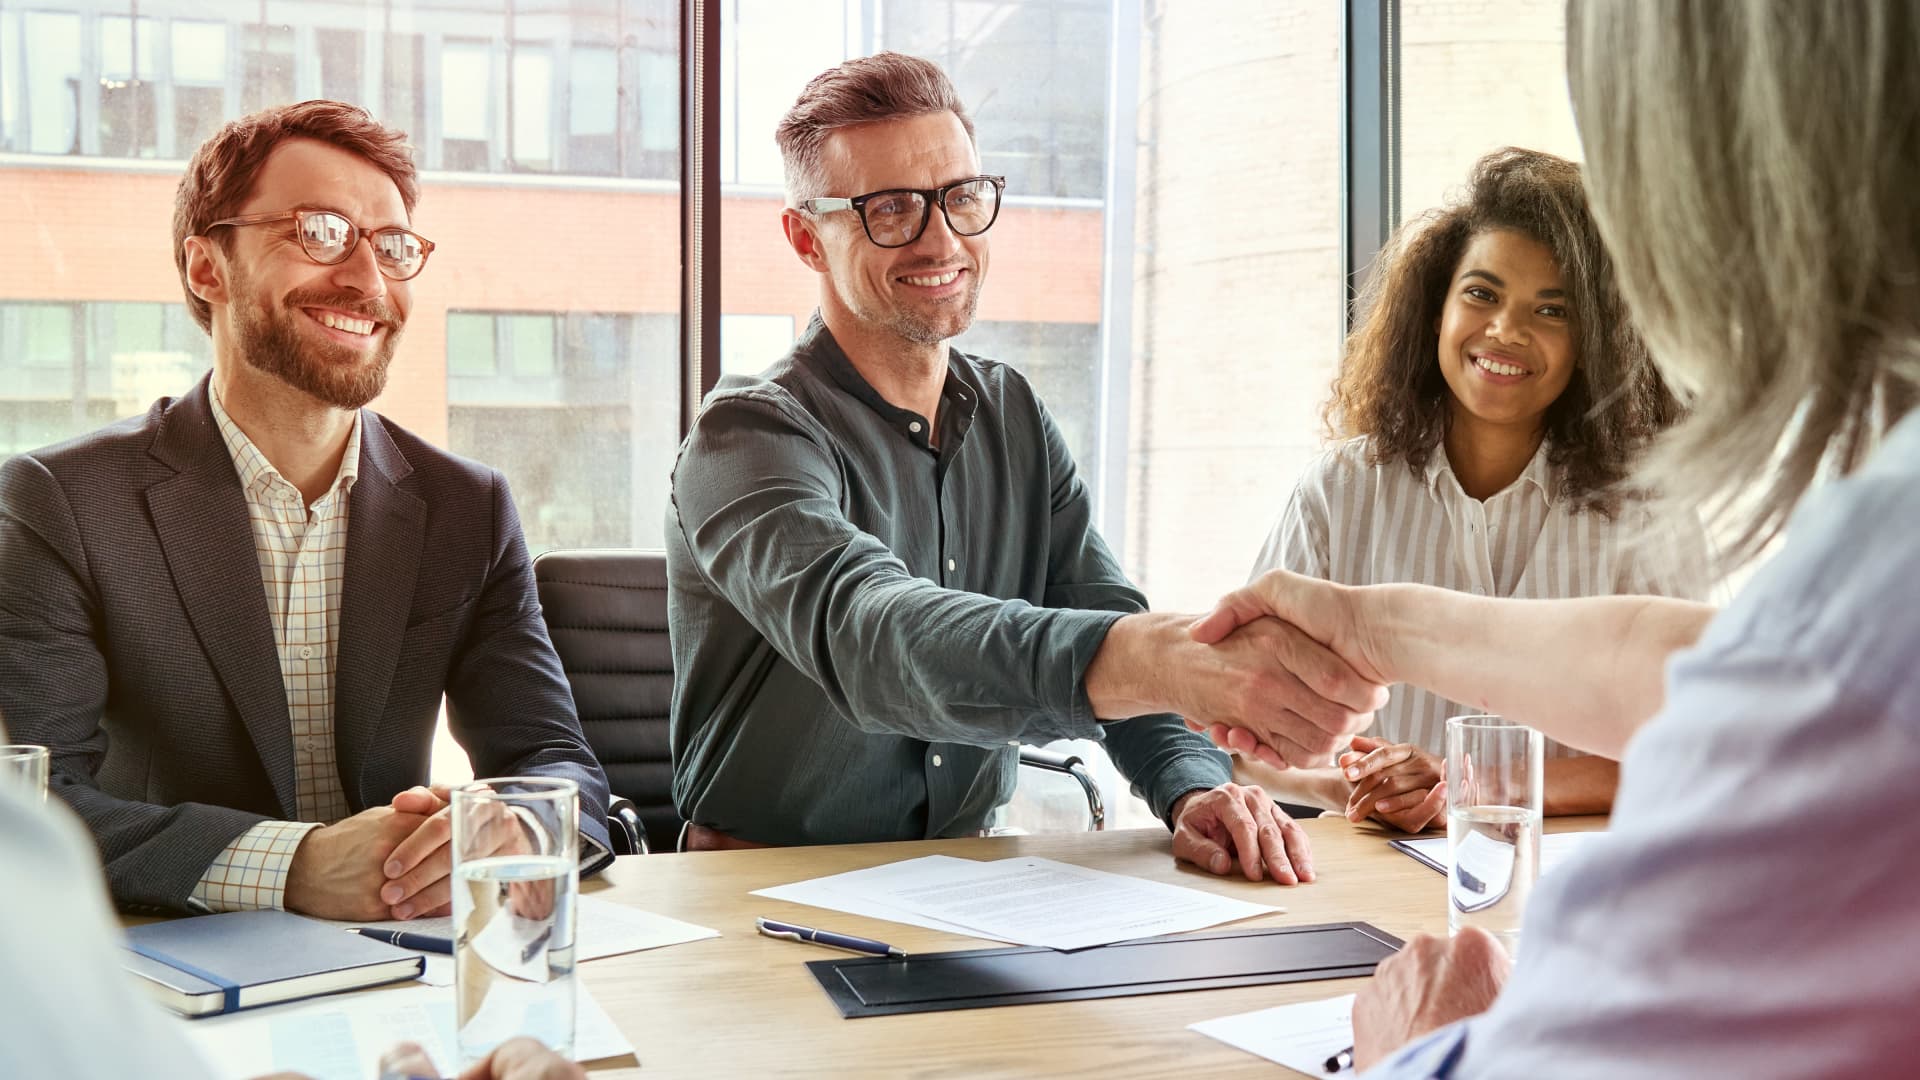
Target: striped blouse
{"type": "Point", "coordinates": [1357, 523]}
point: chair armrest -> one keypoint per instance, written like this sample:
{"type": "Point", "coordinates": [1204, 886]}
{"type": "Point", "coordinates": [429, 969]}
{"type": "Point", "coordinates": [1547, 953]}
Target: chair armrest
{"type": "Point", "coordinates": [623, 825]}
{"type": "Point", "coordinates": [1070, 765]}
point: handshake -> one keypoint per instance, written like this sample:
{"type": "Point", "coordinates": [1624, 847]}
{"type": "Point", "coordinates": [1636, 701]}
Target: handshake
{"type": "Point", "coordinates": [1284, 670]}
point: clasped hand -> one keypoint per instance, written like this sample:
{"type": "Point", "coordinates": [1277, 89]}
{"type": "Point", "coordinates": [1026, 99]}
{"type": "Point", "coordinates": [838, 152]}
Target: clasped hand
{"type": "Point", "coordinates": [1329, 687]}
{"type": "Point", "coordinates": [391, 862]}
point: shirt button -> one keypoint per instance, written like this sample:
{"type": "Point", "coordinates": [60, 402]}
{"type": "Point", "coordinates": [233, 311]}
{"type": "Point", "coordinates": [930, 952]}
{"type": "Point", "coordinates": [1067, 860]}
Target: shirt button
{"type": "Point", "coordinates": [914, 427]}
{"type": "Point", "coordinates": [951, 564]}
{"type": "Point", "coordinates": [936, 761]}
{"type": "Point", "coordinates": [1479, 592]}
{"type": "Point", "coordinates": [306, 652]}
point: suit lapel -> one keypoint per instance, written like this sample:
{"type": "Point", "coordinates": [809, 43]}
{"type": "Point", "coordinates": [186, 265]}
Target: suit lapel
{"type": "Point", "coordinates": [386, 526]}
{"type": "Point", "coordinates": [200, 516]}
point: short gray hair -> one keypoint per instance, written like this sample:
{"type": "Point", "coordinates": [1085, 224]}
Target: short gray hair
{"type": "Point", "coordinates": [1752, 165]}
{"type": "Point", "coordinates": [884, 86]}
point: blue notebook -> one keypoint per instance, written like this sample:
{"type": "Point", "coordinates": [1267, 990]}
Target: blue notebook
{"type": "Point", "coordinates": [219, 963]}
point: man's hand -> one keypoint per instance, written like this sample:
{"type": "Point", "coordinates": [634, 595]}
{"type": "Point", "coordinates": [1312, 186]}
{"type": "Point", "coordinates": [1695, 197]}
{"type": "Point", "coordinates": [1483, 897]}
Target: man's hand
{"type": "Point", "coordinates": [1319, 611]}
{"type": "Point", "coordinates": [1397, 783]}
{"type": "Point", "coordinates": [338, 870]}
{"type": "Point", "coordinates": [1428, 984]}
{"type": "Point", "coordinates": [1213, 829]}
{"type": "Point", "coordinates": [1266, 677]}
{"type": "Point", "coordinates": [419, 871]}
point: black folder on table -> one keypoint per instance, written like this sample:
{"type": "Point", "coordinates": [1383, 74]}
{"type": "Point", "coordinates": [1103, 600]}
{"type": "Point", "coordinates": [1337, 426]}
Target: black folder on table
{"type": "Point", "coordinates": [1025, 975]}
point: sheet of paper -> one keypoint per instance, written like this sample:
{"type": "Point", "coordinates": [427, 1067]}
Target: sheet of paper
{"type": "Point", "coordinates": [1555, 848]}
{"type": "Point", "coordinates": [606, 929]}
{"type": "Point", "coordinates": [1301, 1037]}
{"type": "Point", "coordinates": [826, 892]}
{"type": "Point", "coordinates": [342, 1037]}
{"type": "Point", "coordinates": [1026, 900]}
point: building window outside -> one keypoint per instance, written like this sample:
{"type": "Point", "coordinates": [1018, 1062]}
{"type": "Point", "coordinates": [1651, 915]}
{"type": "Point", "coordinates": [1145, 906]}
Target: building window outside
{"type": "Point", "coordinates": [69, 367]}
{"type": "Point", "coordinates": [50, 55]}
{"type": "Point", "coordinates": [593, 110]}
{"type": "Point", "coordinates": [200, 81]}
{"type": "Point", "coordinates": [532, 89]}
{"type": "Point", "coordinates": [128, 76]}
{"type": "Point", "coordinates": [578, 409]}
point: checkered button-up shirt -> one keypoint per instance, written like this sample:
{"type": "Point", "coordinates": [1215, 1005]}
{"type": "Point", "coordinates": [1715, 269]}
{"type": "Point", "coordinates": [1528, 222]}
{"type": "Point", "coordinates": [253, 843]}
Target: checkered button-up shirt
{"type": "Point", "coordinates": [303, 557]}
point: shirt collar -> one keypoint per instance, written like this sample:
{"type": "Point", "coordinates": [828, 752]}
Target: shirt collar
{"type": "Point", "coordinates": [818, 348]}
{"type": "Point", "coordinates": [1539, 472]}
{"type": "Point", "coordinates": [257, 474]}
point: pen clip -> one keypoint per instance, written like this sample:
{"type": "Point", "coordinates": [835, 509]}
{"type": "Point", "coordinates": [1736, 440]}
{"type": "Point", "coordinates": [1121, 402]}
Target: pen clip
{"type": "Point", "coordinates": [766, 927]}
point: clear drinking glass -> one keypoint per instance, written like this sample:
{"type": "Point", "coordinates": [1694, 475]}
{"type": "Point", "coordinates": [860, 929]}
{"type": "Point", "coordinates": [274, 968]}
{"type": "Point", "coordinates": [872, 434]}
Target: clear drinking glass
{"type": "Point", "coordinates": [516, 879]}
{"type": "Point", "coordinates": [25, 765]}
{"type": "Point", "coordinates": [1494, 801]}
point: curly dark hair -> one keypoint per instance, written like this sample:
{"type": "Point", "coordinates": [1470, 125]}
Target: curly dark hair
{"type": "Point", "coordinates": [1390, 388]}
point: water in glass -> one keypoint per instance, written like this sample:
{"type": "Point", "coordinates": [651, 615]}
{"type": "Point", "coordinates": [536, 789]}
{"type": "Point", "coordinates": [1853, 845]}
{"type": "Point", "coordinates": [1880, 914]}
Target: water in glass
{"type": "Point", "coordinates": [514, 916]}
{"type": "Point", "coordinates": [1494, 858]}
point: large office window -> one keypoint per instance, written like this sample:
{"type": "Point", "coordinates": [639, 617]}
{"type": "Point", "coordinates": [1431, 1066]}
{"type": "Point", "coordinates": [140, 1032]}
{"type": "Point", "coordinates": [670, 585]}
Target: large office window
{"type": "Point", "coordinates": [575, 403]}
{"type": "Point", "coordinates": [1455, 106]}
{"type": "Point", "coordinates": [587, 87]}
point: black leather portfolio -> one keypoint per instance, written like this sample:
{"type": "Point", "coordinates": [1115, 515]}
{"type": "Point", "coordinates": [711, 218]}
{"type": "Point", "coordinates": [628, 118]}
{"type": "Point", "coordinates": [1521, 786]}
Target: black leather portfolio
{"type": "Point", "coordinates": [978, 978]}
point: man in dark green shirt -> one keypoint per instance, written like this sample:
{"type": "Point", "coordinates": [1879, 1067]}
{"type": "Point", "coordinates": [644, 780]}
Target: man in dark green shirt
{"type": "Point", "coordinates": [883, 575]}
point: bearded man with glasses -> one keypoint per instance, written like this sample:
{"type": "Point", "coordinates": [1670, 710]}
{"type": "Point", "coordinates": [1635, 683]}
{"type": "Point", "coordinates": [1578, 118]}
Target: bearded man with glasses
{"type": "Point", "coordinates": [882, 570]}
{"type": "Point", "coordinates": [233, 619]}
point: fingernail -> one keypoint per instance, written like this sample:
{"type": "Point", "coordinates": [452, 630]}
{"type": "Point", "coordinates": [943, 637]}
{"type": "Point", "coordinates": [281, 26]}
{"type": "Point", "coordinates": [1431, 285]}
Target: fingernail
{"type": "Point", "coordinates": [404, 911]}
{"type": "Point", "coordinates": [392, 892]}
{"type": "Point", "coordinates": [393, 867]}
{"type": "Point", "coordinates": [1220, 864]}
{"type": "Point", "coordinates": [1353, 772]}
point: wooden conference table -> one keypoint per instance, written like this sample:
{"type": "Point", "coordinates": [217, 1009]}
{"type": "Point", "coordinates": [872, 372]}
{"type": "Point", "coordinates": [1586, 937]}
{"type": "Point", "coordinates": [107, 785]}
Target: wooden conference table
{"type": "Point", "coordinates": [743, 1005]}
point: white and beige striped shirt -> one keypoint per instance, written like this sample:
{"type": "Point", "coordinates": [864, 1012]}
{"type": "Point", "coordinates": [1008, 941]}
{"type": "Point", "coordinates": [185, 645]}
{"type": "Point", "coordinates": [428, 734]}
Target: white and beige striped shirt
{"type": "Point", "coordinates": [303, 557]}
{"type": "Point", "coordinates": [1357, 523]}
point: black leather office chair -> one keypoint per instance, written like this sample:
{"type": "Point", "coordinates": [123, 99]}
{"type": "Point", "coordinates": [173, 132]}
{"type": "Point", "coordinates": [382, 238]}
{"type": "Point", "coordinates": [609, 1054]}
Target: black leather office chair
{"type": "Point", "coordinates": [607, 614]}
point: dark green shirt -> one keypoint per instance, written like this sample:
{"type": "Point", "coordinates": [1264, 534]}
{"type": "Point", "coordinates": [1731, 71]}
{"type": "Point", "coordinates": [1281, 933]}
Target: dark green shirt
{"type": "Point", "coordinates": [866, 627]}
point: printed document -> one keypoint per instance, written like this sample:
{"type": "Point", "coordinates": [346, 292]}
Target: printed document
{"type": "Point", "coordinates": [1555, 848]}
{"type": "Point", "coordinates": [342, 1037]}
{"type": "Point", "coordinates": [1302, 1037]}
{"type": "Point", "coordinates": [1024, 900]}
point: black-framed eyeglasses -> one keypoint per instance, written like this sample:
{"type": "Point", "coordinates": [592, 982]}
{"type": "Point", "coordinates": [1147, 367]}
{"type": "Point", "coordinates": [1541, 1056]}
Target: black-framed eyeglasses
{"type": "Point", "coordinates": [329, 238]}
{"type": "Point", "coordinates": [896, 217]}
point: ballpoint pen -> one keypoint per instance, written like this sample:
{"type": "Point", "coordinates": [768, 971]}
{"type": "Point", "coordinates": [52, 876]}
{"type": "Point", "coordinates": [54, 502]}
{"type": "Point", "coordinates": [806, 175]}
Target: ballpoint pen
{"type": "Point", "coordinates": [1340, 1061]}
{"type": "Point", "coordinates": [794, 932]}
{"type": "Point", "coordinates": [406, 940]}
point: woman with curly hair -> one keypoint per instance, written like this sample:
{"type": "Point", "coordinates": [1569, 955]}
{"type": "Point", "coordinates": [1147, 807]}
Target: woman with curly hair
{"type": "Point", "coordinates": [1494, 397]}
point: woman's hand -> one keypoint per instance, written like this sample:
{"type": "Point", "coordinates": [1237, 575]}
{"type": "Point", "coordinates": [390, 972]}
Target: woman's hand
{"type": "Point", "coordinates": [1396, 783]}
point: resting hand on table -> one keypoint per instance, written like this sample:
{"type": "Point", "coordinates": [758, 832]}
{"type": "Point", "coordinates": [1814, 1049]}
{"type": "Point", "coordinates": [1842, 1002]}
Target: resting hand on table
{"type": "Point", "coordinates": [1430, 983]}
{"type": "Point", "coordinates": [419, 882]}
{"type": "Point", "coordinates": [1397, 783]}
{"type": "Point", "coordinates": [337, 871]}
{"type": "Point", "coordinates": [1218, 827]}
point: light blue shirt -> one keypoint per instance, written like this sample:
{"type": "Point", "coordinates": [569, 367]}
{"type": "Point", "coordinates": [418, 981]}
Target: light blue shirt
{"type": "Point", "coordinates": [1755, 910]}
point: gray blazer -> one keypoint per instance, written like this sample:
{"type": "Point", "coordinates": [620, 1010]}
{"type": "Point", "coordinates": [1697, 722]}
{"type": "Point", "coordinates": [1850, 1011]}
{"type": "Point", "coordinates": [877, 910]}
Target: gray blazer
{"type": "Point", "coordinates": [136, 642]}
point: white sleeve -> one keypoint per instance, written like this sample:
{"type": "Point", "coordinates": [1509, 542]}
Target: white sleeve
{"type": "Point", "coordinates": [1298, 541]}
{"type": "Point", "coordinates": [59, 945]}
